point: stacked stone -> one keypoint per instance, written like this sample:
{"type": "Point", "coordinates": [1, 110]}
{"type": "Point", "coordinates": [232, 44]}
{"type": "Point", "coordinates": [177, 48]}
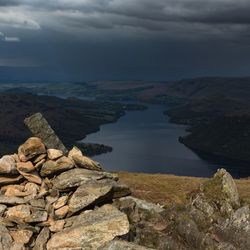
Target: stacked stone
{"type": "Point", "coordinates": [52, 201]}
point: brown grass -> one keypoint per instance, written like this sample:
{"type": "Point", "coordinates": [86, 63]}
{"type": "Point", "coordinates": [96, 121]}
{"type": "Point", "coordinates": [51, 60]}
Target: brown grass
{"type": "Point", "coordinates": [170, 189]}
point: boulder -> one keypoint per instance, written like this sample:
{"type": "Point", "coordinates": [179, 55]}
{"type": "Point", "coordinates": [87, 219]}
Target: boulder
{"type": "Point", "coordinates": [137, 209]}
{"type": "Point", "coordinates": [235, 229]}
{"type": "Point", "coordinates": [221, 189]}
{"type": "Point", "coordinates": [54, 154]}
{"type": "Point", "coordinates": [61, 212]}
{"type": "Point", "coordinates": [21, 236]}
{"type": "Point", "coordinates": [42, 239]}
{"type": "Point", "coordinates": [32, 177]}
{"type": "Point", "coordinates": [61, 202]}
{"type": "Point", "coordinates": [203, 205]}
{"type": "Point", "coordinates": [19, 213]}
{"type": "Point", "coordinates": [82, 161]}
{"type": "Point", "coordinates": [5, 238]}
{"type": "Point", "coordinates": [37, 215]}
{"type": "Point", "coordinates": [31, 148]}
{"type": "Point", "coordinates": [14, 190]}
{"type": "Point", "coordinates": [119, 190]}
{"type": "Point", "coordinates": [40, 203]}
{"type": "Point", "coordinates": [8, 165]}
{"type": "Point", "coordinates": [93, 230]}
{"type": "Point", "coordinates": [25, 166]}
{"type": "Point", "coordinates": [56, 226]}
{"type": "Point", "coordinates": [51, 168]}
{"type": "Point", "coordinates": [26, 214]}
{"type": "Point", "coordinates": [11, 200]}
{"type": "Point", "coordinates": [31, 189]}
{"type": "Point", "coordinates": [91, 193]}
{"type": "Point", "coordinates": [189, 230]}
{"type": "Point", "coordinates": [77, 177]}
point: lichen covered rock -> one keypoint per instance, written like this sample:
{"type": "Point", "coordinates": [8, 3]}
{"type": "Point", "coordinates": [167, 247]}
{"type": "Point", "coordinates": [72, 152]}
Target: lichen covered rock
{"type": "Point", "coordinates": [41, 191]}
{"type": "Point", "coordinates": [31, 148]}
{"type": "Point", "coordinates": [95, 229]}
{"type": "Point", "coordinates": [222, 188]}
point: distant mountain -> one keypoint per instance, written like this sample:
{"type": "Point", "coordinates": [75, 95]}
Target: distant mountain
{"type": "Point", "coordinates": [218, 110]}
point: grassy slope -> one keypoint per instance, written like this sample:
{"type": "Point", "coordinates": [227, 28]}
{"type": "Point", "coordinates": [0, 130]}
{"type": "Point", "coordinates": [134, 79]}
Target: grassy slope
{"type": "Point", "coordinates": [169, 189]}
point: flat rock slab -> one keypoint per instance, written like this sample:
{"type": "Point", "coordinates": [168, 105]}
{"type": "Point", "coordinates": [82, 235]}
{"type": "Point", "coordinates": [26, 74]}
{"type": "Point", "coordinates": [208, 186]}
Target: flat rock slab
{"type": "Point", "coordinates": [77, 177]}
{"type": "Point", "coordinates": [7, 181]}
{"type": "Point", "coordinates": [91, 193]}
{"type": "Point", "coordinates": [26, 214]}
{"type": "Point", "coordinates": [51, 168]}
{"type": "Point", "coordinates": [122, 245]}
{"type": "Point", "coordinates": [8, 200]}
{"type": "Point", "coordinates": [39, 127]}
{"type": "Point", "coordinates": [42, 239]}
{"type": "Point", "coordinates": [92, 230]}
{"type": "Point", "coordinates": [142, 204]}
{"type": "Point", "coordinates": [119, 190]}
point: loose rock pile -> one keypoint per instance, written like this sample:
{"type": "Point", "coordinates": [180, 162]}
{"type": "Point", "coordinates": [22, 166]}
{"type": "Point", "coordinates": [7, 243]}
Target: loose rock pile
{"type": "Point", "coordinates": [52, 201]}
{"type": "Point", "coordinates": [214, 219]}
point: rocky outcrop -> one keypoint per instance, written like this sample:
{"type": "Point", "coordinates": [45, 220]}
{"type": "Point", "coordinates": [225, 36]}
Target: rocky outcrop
{"type": "Point", "coordinates": [48, 201]}
{"type": "Point", "coordinates": [82, 161]}
{"type": "Point", "coordinates": [213, 219]}
{"type": "Point", "coordinates": [92, 230]}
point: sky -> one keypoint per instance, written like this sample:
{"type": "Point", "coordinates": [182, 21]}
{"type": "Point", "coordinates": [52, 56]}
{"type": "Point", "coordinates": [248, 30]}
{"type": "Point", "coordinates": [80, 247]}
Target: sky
{"type": "Point", "coordinates": [161, 40]}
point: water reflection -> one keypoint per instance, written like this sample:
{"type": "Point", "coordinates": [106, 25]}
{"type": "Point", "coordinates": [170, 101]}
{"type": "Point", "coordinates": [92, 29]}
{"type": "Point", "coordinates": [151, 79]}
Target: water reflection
{"type": "Point", "coordinates": [145, 141]}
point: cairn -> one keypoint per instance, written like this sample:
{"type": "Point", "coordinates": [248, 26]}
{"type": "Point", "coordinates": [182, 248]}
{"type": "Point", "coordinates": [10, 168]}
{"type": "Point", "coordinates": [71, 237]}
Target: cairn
{"type": "Point", "coordinates": [52, 201]}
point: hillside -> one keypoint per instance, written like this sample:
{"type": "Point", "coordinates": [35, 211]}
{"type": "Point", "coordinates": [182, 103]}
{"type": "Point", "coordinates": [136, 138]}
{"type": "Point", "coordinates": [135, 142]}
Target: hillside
{"type": "Point", "coordinates": [219, 127]}
{"type": "Point", "coordinates": [169, 190]}
{"type": "Point", "coordinates": [72, 119]}
{"type": "Point", "coordinates": [209, 104]}
{"type": "Point", "coordinates": [149, 91]}
{"type": "Point", "coordinates": [218, 112]}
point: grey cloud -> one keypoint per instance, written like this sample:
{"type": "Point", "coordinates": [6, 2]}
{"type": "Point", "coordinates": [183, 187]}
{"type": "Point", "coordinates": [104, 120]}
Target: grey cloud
{"type": "Point", "coordinates": [9, 2]}
{"type": "Point", "coordinates": [198, 19]}
{"type": "Point", "coordinates": [16, 19]}
{"type": "Point", "coordinates": [131, 38]}
{"type": "Point", "coordinates": [194, 11]}
{"type": "Point", "coordinates": [8, 38]}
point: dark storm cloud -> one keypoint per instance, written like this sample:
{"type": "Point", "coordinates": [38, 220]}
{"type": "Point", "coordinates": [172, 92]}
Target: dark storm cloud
{"type": "Point", "coordinates": [109, 13]}
{"type": "Point", "coordinates": [9, 2]}
{"type": "Point", "coordinates": [158, 14]}
{"type": "Point", "coordinates": [127, 38]}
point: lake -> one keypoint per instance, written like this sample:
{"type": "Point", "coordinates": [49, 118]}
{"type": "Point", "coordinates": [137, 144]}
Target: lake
{"type": "Point", "coordinates": [145, 141]}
